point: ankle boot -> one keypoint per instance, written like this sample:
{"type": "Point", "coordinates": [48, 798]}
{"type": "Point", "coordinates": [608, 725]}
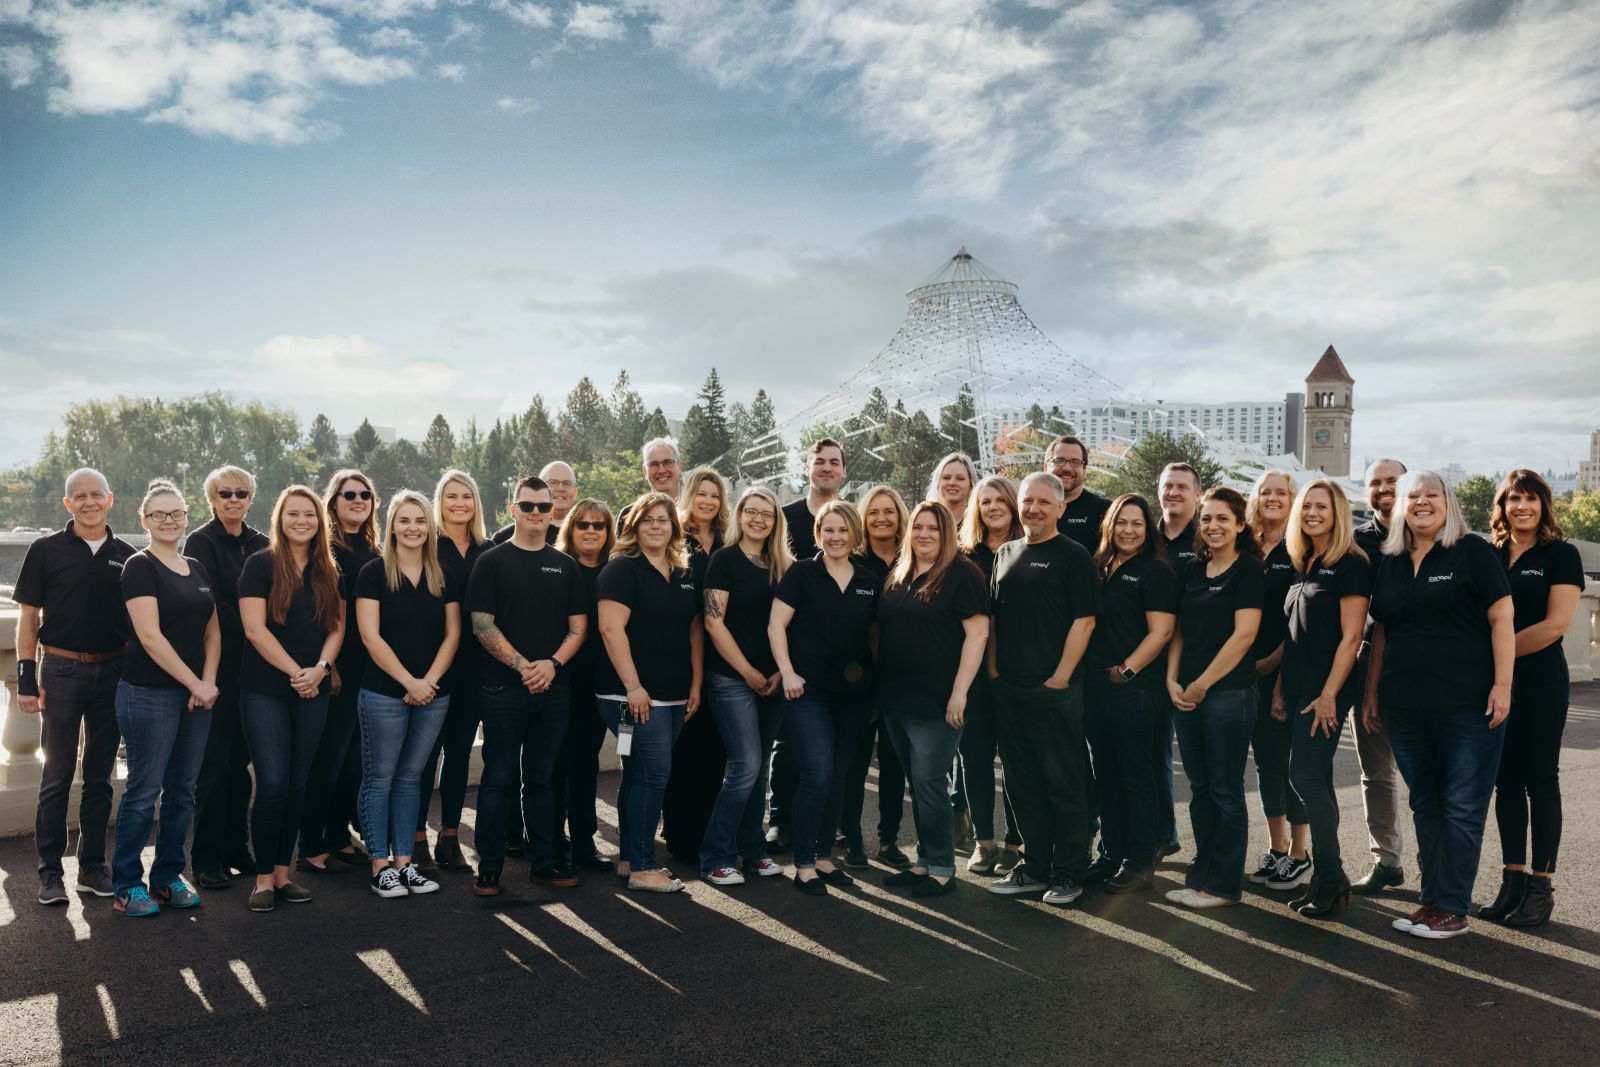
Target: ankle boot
{"type": "Point", "coordinates": [448, 855]}
{"type": "Point", "coordinates": [1537, 904]}
{"type": "Point", "coordinates": [1307, 895]}
{"type": "Point", "coordinates": [1513, 884]}
{"type": "Point", "coordinates": [424, 859]}
{"type": "Point", "coordinates": [1332, 898]}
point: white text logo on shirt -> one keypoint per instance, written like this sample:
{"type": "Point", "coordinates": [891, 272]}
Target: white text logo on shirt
{"type": "Point", "coordinates": [1530, 573]}
{"type": "Point", "coordinates": [552, 570]}
{"type": "Point", "coordinates": [1439, 578]}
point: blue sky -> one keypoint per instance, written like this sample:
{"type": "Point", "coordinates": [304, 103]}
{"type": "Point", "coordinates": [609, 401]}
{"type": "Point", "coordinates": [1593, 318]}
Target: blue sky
{"type": "Point", "coordinates": [389, 208]}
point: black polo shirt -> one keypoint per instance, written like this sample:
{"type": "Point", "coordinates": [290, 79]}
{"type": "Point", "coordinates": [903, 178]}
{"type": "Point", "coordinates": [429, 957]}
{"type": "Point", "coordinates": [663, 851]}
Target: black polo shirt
{"type": "Point", "coordinates": [747, 611]}
{"type": "Point", "coordinates": [411, 621]}
{"type": "Point", "coordinates": [1142, 584]}
{"type": "Point", "coordinates": [581, 670]}
{"type": "Point", "coordinates": [798, 519]}
{"type": "Point", "coordinates": [184, 606]}
{"type": "Point", "coordinates": [467, 667]}
{"type": "Point", "coordinates": [299, 633]}
{"type": "Point", "coordinates": [1180, 549]}
{"type": "Point", "coordinates": [828, 644]}
{"type": "Point", "coordinates": [1369, 535]}
{"type": "Point", "coordinates": [223, 555]}
{"type": "Point", "coordinates": [875, 563]}
{"type": "Point", "coordinates": [1547, 564]}
{"type": "Point", "coordinates": [1315, 627]}
{"type": "Point", "coordinates": [920, 642]}
{"type": "Point", "coordinates": [1082, 517]}
{"type": "Point", "coordinates": [78, 591]}
{"type": "Point", "coordinates": [1206, 621]}
{"type": "Point", "coordinates": [505, 533]}
{"type": "Point", "coordinates": [1039, 591]}
{"type": "Point", "coordinates": [352, 659]}
{"type": "Point", "coordinates": [662, 611]}
{"type": "Point", "coordinates": [1437, 650]}
{"type": "Point", "coordinates": [698, 560]}
{"type": "Point", "coordinates": [531, 595]}
{"type": "Point", "coordinates": [982, 557]}
{"type": "Point", "coordinates": [1277, 576]}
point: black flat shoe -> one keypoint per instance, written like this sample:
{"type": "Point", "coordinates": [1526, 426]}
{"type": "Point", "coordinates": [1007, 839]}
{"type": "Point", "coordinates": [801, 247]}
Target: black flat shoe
{"type": "Point", "coordinates": [905, 879]}
{"type": "Point", "coordinates": [594, 862]}
{"type": "Point", "coordinates": [932, 887]}
{"type": "Point", "coordinates": [213, 879]}
{"type": "Point", "coordinates": [836, 878]}
{"type": "Point", "coordinates": [1127, 880]}
{"type": "Point", "coordinates": [816, 887]}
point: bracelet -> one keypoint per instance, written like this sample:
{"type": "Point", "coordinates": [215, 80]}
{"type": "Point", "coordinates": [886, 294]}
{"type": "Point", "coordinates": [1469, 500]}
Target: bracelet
{"type": "Point", "coordinates": [633, 688]}
{"type": "Point", "coordinates": [27, 678]}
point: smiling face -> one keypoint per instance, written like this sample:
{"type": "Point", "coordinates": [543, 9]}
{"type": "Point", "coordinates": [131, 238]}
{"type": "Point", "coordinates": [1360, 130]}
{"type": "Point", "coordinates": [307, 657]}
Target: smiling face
{"type": "Point", "coordinates": [165, 518]}
{"type": "Point", "coordinates": [1273, 499]}
{"type": "Point", "coordinates": [350, 514]}
{"type": "Point", "coordinates": [995, 511]}
{"type": "Point", "coordinates": [88, 501]}
{"type": "Point", "coordinates": [826, 470]}
{"type": "Point", "coordinates": [955, 485]}
{"type": "Point", "coordinates": [588, 533]}
{"type": "Point", "coordinates": [1179, 490]}
{"type": "Point", "coordinates": [1425, 510]}
{"type": "Point", "coordinates": [883, 519]}
{"type": "Point", "coordinates": [1381, 481]}
{"type": "Point", "coordinates": [1316, 514]}
{"type": "Point", "coordinates": [1128, 530]}
{"type": "Point", "coordinates": [925, 538]}
{"type": "Point", "coordinates": [1524, 510]}
{"type": "Point", "coordinates": [458, 506]}
{"type": "Point", "coordinates": [707, 502]}
{"type": "Point", "coordinates": [662, 469]}
{"type": "Point", "coordinates": [531, 522]}
{"type": "Point", "coordinates": [1040, 508]}
{"type": "Point", "coordinates": [563, 487]}
{"type": "Point", "coordinates": [655, 529]}
{"type": "Point", "coordinates": [231, 508]}
{"type": "Point", "coordinates": [834, 538]}
{"type": "Point", "coordinates": [756, 516]}
{"type": "Point", "coordinates": [1069, 463]}
{"type": "Point", "coordinates": [1219, 527]}
{"type": "Point", "coordinates": [410, 526]}
{"type": "Point", "coordinates": [298, 521]}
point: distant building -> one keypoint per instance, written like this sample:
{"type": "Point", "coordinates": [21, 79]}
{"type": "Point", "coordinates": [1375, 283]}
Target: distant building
{"type": "Point", "coordinates": [1329, 410]}
{"type": "Point", "coordinates": [1251, 422]}
{"type": "Point", "coordinates": [1589, 469]}
{"type": "Point", "coordinates": [1453, 474]}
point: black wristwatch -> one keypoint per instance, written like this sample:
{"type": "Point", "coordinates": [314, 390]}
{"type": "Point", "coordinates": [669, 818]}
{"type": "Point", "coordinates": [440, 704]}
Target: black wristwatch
{"type": "Point", "coordinates": [1128, 673]}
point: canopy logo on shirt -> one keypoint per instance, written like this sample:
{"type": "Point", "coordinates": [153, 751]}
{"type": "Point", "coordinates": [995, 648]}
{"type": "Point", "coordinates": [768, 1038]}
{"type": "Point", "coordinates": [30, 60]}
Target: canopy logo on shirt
{"type": "Point", "coordinates": [1080, 521]}
{"type": "Point", "coordinates": [1218, 588]}
{"type": "Point", "coordinates": [1326, 573]}
{"type": "Point", "coordinates": [1283, 566]}
{"type": "Point", "coordinates": [117, 563]}
{"type": "Point", "coordinates": [686, 585]}
{"type": "Point", "coordinates": [1439, 578]}
{"type": "Point", "coordinates": [1134, 578]}
{"type": "Point", "coordinates": [552, 570]}
{"type": "Point", "coordinates": [1530, 573]}
{"type": "Point", "coordinates": [1046, 566]}
{"type": "Point", "coordinates": [866, 592]}
{"type": "Point", "coordinates": [205, 588]}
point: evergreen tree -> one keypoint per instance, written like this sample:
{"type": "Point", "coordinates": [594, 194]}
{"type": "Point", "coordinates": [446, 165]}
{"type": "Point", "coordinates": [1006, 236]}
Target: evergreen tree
{"type": "Point", "coordinates": [713, 439]}
{"type": "Point", "coordinates": [364, 445]}
{"type": "Point", "coordinates": [499, 470]}
{"type": "Point", "coordinates": [958, 423]}
{"type": "Point", "coordinates": [697, 445]}
{"type": "Point", "coordinates": [629, 420]}
{"type": "Point", "coordinates": [584, 424]}
{"type": "Point", "coordinates": [439, 446]}
{"type": "Point", "coordinates": [321, 449]}
{"type": "Point", "coordinates": [469, 450]}
{"type": "Point", "coordinates": [1141, 468]}
{"type": "Point", "coordinates": [655, 426]}
{"type": "Point", "coordinates": [536, 440]}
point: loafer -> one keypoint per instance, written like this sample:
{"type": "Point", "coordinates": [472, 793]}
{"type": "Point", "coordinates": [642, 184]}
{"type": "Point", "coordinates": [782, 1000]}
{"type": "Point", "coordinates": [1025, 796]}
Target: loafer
{"type": "Point", "coordinates": [213, 879]}
{"type": "Point", "coordinates": [331, 865]}
{"type": "Point", "coordinates": [1379, 878]}
{"type": "Point", "coordinates": [855, 857]}
{"type": "Point", "coordinates": [1127, 880]}
{"type": "Point", "coordinates": [262, 900]}
{"type": "Point", "coordinates": [892, 855]}
{"type": "Point", "coordinates": [351, 857]}
{"type": "Point", "coordinates": [932, 887]}
{"type": "Point", "coordinates": [96, 880]}
{"type": "Point", "coordinates": [905, 879]}
{"type": "Point", "coordinates": [836, 877]}
{"type": "Point", "coordinates": [293, 894]}
{"type": "Point", "coordinates": [816, 887]}
{"type": "Point", "coordinates": [671, 885]}
{"type": "Point", "coordinates": [555, 874]}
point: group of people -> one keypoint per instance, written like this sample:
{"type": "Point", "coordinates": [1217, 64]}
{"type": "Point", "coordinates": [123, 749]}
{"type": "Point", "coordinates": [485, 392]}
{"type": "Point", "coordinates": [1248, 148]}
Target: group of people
{"type": "Point", "coordinates": [276, 691]}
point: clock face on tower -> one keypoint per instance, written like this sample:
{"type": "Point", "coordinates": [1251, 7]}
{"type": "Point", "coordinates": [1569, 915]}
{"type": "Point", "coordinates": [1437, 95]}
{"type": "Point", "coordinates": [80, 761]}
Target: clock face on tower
{"type": "Point", "coordinates": [1323, 437]}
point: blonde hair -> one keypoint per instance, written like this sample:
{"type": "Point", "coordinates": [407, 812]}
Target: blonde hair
{"type": "Point", "coordinates": [720, 521]}
{"type": "Point", "coordinates": [432, 573]}
{"type": "Point", "coordinates": [852, 519]}
{"type": "Point", "coordinates": [477, 532]}
{"type": "Point", "coordinates": [901, 512]}
{"type": "Point", "coordinates": [159, 487]}
{"type": "Point", "coordinates": [938, 470]}
{"type": "Point", "coordinates": [776, 549]}
{"type": "Point", "coordinates": [227, 473]}
{"type": "Point", "coordinates": [973, 531]}
{"type": "Point", "coordinates": [628, 531]}
{"type": "Point", "coordinates": [1341, 541]}
{"type": "Point", "coordinates": [1252, 505]}
{"type": "Point", "coordinates": [905, 564]}
{"type": "Point", "coordinates": [1455, 527]}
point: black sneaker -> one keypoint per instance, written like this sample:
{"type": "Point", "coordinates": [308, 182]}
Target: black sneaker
{"type": "Point", "coordinates": [487, 885]}
{"type": "Point", "coordinates": [855, 857]}
{"type": "Point", "coordinates": [387, 883]}
{"type": "Point", "coordinates": [1100, 870]}
{"type": "Point", "coordinates": [415, 881]}
{"type": "Point", "coordinates": [1268, 867]}
{"type": "Point", "coordinates": [51, 889]}
{"type": "Point", "coordinates": [561, 875]}
{"type": "Point", "coordinates": [890, 853]}
{"type": "Point", "coordinates": [1291, 873]}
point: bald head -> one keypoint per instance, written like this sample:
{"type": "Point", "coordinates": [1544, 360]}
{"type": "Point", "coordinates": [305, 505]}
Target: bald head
{"type": "Point", "coordinates": [563, 485]}
{"type": "Point", "coordinates": [88, 499]}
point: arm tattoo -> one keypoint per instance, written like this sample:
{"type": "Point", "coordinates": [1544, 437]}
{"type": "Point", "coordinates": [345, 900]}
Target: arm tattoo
{"type": "Point", "coordinates": [715, 600]}
{"type": "Point", "coordinates": [493, 641]}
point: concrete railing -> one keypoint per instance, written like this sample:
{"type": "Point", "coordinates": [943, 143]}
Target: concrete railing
{"type": "Point", "coordinates": [1582, 641]}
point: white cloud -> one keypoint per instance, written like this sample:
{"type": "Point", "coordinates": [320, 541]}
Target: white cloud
{"type": "Point", "coordinates": [595, 22]}
{"type": "Point", "coordinates": [533, 16]}
{"type": "Point", "coordinates": [453, 72]}
{"type": "Point", "coordinates": [396, 38]}
{"type": "Point", "coordinates": [517, 105]}
{"type": "Point", "coordinates": [378, 10]}
{"type": "Point", "coordinates": [18, 65]}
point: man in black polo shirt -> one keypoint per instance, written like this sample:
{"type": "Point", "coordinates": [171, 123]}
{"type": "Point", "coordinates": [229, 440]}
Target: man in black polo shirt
{"type": "Point", "coordinates": [70, 637]}
{"type": "Point", "coordinates": [1178, 491]}
{"type": "Point", "coordinates": [1068, 460]}
{"type": "Point", "coordinates": [1380, 777]}
{"type": "Point", "coordinates": [530, 612]}
{"type": "Point", "coordinates": [563, 484]}
{"type": "Point", "coordinates": [1046, 597]}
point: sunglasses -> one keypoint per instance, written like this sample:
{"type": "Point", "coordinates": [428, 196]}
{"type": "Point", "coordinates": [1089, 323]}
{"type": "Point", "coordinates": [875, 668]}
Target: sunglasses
{"type": "Point", "coordinates": [355, 494]}
{"type": "Point", "coordinates": [528, 507]}
{"type": "Point", "coordinates": [589, 524]}
{"type": "Point", "coordinates": [234, 494]}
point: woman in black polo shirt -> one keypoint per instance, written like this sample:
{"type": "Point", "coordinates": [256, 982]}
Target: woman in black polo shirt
{"type": "Point", "coordinates": [1211, 683]}
{"type": "Point", "coordinates": [650, 679]}
{"type": "Point", "coordinates": [409, 616]}
{"type": "Point", "coordinates": [293, 616]}
{"type": "Point", "coordinates": [991, 522]}
{"type": "Point", "coordinates": [933, 618]}
{"type": "Point", "coordinates": [164, 700]}
{"type": "Point", "coordinates": [742, 680]}
{"type": "Point", "coordinates": [1546, 577]}
{"type": "Point", "coordinates": [821, 615]}
{"type": "Point", "coordinates": [587, 534]}
{"type": "Point", "coordinates": [1443, 654]}
{"type": "Point", "coordinates": [1326, 613]}
{"type": "Point", "coordinates": [951, 485]}
{"type": "Point", "coordinates": [1122, 702]}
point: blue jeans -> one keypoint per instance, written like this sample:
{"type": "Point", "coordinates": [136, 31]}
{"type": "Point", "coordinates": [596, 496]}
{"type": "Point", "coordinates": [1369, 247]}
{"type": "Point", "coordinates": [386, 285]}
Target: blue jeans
{"type": "Point", "coordinates": [748, 724]}
{"type": "Point", "coordinates": [1214, 740]}
{"type": "Point", "coordinates": [396, 740]}
{"type": "Point", "coordinates": [1166, 787]}
{"type": "Point", "coordinates": [927, 744]}
{"type": "Point", "coordinates": [521, 731]}
{"type": "Point", "coordinates": [645, 771]}
{"type": "Point", "coordinates": [1270, 746]}
{"type": "Point", "coordinates": [166, 742]}
{"type": "Point", "coordinates": [1122, 722]}
{"type": "Point", "coordinates": [1449, 760]}
{"type": "Point", "coordinates": [283, 736]}
{"type": "Point", "coordinates": [1311, 778]}
{"type": "Point", "coordinates": [822, 736]}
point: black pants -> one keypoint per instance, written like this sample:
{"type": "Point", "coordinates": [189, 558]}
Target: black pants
{"type": "Point", "coordinates": [1122, 723]}
{"type": "Point", "coordinates": [222, 790]}
{"type": "Point", "coordinates": [980, 743]}
{"type": "Point", "coordinates": [891, 788]}
{"type": "Point", "coordinates": [1529, 783]}
{"type": "Point", "coordinates": [578, 776]}
{"type": "Point", "coordinates": [454, 747]}
{"type": "Point", "coordinates": [781, 783]}
{"type": "Point", "coordinates": [79, 701]}
{"type": "Point", "coordinates": [1041, 745]}
{"type": "Point", "coordinates": [698, 763]}
{"type": "Point", "coordinates": [522, 733]}
{"type": "Point", "coordinates": [328, 802]}
{"type": "Point", "coordinates": [1270, 746]}
{"type": "Point", "coordinates": [1311, 755]}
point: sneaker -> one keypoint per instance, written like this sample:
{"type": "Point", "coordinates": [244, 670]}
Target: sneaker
{"type": "Point", "coordinates": [766, 867]}
{"type": "Point", "coordinates": [487, 885]}
{"type": "Point", "coordinates": [96, 880]}
{"type": "Point", "coordinates": [725, 876]}
{"type": "Point", "coordinates": [1008, 860]}
{"type": "Point", "coordinates": [1063, 893]}
{"type": "Point", "coordinates": [1439, 925]}
{"type": "Point", "coordinates": [1017, 883]}
{"type": "Point", "coordinates": [1291, 872]}
{"type": "Point", "coordinates": [51, 889]}
{"type": "Point", "coordinates": [983, 859]}
{"type": "Point", "coordinates": [890, 853]}
{"type": "Point", "coordinates": [1418, 916]}
{"type": "Point", "coordinates": [387, 883]}
{"type": "Point", "coordinates": [855, 857]}
{"type": "Point", "coordinates": [1267, 868]}
{"type": "Point", "coordinates": [176, 894]}
{"type": "Point", "coordinates": [561, 875]}
{"type": "Point", "coordinates": [135, 903]}
{"type": "Point", "coordinates": [415, 882]}
{"type": "Point", "coordinates": [1100, 870]}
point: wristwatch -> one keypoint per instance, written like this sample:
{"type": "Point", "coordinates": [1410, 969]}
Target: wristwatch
{"type": "Point", "coordinates": [1127, 672]}
{"type": "Point", "coordinates": [327, 668]}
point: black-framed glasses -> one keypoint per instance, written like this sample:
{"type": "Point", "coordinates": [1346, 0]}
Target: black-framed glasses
{"type": "Point", "coordinates": [560, 483]}
{"type": "Point", "coordinates": [528, 507]}
{"type": "Point", "coordinates": [1072, 463]}
{"type": "Point", "coordinates": [588, 524]}
{"type": "Point", "coordinates": [233, 494]}
{"type": "Point", "coordinates": [357, 494]}
{"type": "Point", "coordinates": [159, 517]}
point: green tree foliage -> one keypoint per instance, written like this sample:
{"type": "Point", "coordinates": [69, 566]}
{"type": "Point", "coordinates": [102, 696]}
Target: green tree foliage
{"type": "Point", "coordinates": [584, 424]}
{"type": "Point", "coordinates": [707, 437]}
{"type": "Point", "coordinates": [1579, 516]}
{"type": "Point", "coordinates": [537, 440]}
{"type": "Point", "coordinates": [439, 447]}
{"type": "Point", "coordinates": [1475, 494]}
{"type": "Point", "coordinates": [363, 446]}
{"type": "Point", "coordinates": [1141, 470]}
{"type": "Point", "coordinates": [617, 480]}
{"type": "Point", "coordinates": [958, 423]}
{"type": "Point", "coordinates": [630, 422]}
{"type": "Point", "coordinates": [321, 449]}
{"type": "Point", "coordinates": [655, 426]}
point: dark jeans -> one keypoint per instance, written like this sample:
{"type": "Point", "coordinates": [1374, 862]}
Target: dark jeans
{"type": "Point", "coordinates": [166, 742]}
{"type": "Point", "coordinates": [698, 761]}
{"type": "Point", "coordinates": [781, 783]}
{"type": "Point", "coordinates": [748, 725]}
{"type": "Point", "coordinates": [1311, 777]}
{"type": "Point", "coordinates": [891, 787]}
{"type": "Point", "coordinates": [928, 745]}
{"type": "Point", "coordinates": [324, 817]}
{"type": "Point", "coordinates": [520, 730]}
{"type": "Point", "coordinates": [396, 738]}
{"type": "Point", "coordinates": [1122, 722]}
{"type": "Point", "coordinates": [980, 744]}
{"type": "Point", "coordinates": [1166, 789]}
{"type": "Point", "coordinates": [578, 775]}
{"type": "Point", "coordinates": [1214, 740]}
{"type": "Point", "coordinates": [222, 788]}
{"type": "Point", "coordinates": [1530, 778]}
{"type": "Point", "coordinates": [454, 748]}
{"type": "Point", "coordinates": [1041, 745]}
{"type": "Point", "coordinates": [1449, 760]}
{"type": "Point", "coordinates": [645, 772]}
{"type": "Point", "coordinates": [283, 736]}
{"type": "Point", "coordinates": [823, 734]}
{"type": "Point", "coordinates": [1270, 744]}
{"type": "Point", "coordinates": [79, 698]}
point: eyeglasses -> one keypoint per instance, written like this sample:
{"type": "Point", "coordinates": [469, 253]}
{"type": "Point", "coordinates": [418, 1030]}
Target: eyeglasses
{"type": "Point", "coordinates": [528, 507]}
{"type": "Point", "coordinates": [159, 517]}
{"type": "Point", "coordinates": [561, 484]}
{"type": "Point", "coordinates": [588, 524]}
{"type": "Point", "coordinates": [234, 494]}
{"type": "Point", "coordinates": [764, 516]}
{"type": "Point", "coordinates": [357, 494]}
{"type": "Point", "coordinates": [661, 464]}
{"type": "Point", "coordinates": [1072, 463]}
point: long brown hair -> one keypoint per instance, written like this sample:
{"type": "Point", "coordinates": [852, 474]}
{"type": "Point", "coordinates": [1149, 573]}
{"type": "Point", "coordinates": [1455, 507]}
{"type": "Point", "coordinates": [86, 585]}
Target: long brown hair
{"type": "Point", "coordinates": [1245, 542]}
{"type": "Point", "coordinates": [906, 565]}
{"type": "Point", "coordinates": [286, 578]}
{"type": "Point", "coordinates": [1523, 480]}
{"type": "Point", "coordinates": [588, 509]}
{"type": "Point", "coordinates": [369, 527]}
{"type": "Point", "coordinates": [1106, 554]}
{"type": "Point", "coordinates": [627, 543]}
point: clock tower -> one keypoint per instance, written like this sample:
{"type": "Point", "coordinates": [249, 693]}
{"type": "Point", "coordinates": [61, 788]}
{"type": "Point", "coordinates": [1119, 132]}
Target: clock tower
{"type": "Point", "coordinates": [1330, 403]}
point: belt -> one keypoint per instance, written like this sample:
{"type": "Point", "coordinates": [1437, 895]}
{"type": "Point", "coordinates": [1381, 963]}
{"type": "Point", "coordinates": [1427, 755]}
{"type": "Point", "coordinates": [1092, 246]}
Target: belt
{"type": "Point", "coordinates": [79, 657]}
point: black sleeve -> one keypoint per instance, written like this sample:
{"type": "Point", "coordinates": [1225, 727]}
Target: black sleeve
{"type": "Point", "coordinates": [1084, 585]}
{"type": "Point", "coordinates": [970, 596]}
{"type": "Point", "coordinates": [1249, 586]}
{"type": "Point", "coordinates": [138, 578]}
{"type": "Point", "coordinates": [1355, 577]}
{"type": "Point", "coordinates": [1158, 589]}
{"type": "Point", "coordinates": [1566, 565]}
{"type": "Point", "coordinates": [30, 583]}
{"type": "Point", "coordinates": [617, 583]}
{"type": "Point", "coordinates": [480, 586]}
{"type": "Point", "coordinates": [719, 572]}
{"type": "Point", "coordinates": [1379, 606]}
{"type": "Point", "coordinates": [255, 578]}
{"type": "Point", "coordinates": [1488, 574]}
{"type": "Point", "coordinates": [453, 592]}
{"type": "Point", "coordinates": [372, 583]}
{"type": "Point", "coordinates": [790, 590]}
{"type": "Point", "coordinates": [577, 595]}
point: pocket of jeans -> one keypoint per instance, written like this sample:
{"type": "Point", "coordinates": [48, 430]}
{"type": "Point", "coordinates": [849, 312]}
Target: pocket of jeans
{"type": "Point", "coordinates": [57, 667]}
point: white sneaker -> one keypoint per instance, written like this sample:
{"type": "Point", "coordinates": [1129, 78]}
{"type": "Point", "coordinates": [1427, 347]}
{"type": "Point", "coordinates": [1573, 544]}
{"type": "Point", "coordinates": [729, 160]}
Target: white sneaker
{"type": "Point", "coordinates": [1198, 901]}
{"type": "Point", "coordinates": [1017, 883]}
{"type": "Point", "coordinates": [1181, 897]}
{"type": "Point", "coordinates": [1063, 893]}
{"type": "Point", "coordinates": [415, 881]}
{"type": "Point", "coordinates": [386, 883]}
{"type": "Point", "coordinates": [725, 876]}
{"type": "Point", "coordinates": [766, 867]}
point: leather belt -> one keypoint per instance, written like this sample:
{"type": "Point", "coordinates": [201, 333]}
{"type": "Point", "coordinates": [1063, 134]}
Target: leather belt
{"type": "Point", "coordinates": [79, 657]}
